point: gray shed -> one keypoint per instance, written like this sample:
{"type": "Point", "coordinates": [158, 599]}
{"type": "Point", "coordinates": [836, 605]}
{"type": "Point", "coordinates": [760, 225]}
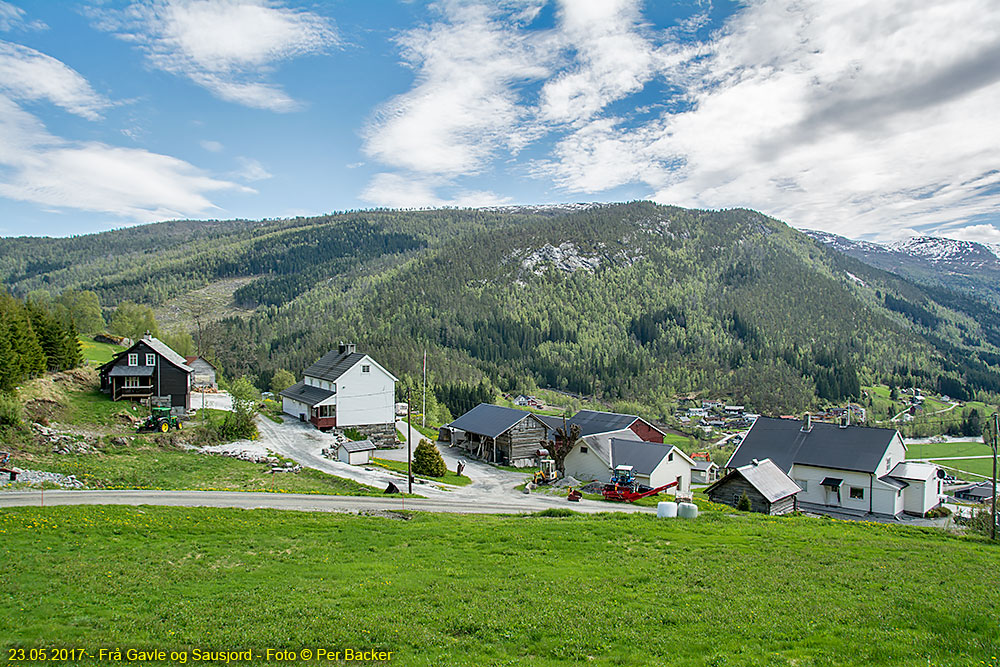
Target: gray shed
{"type": "Point", "coordinates": [204, 372]}
{"type": "Point", "coordinates": [355, 452]}
{"type": "Point", "coordinates": [769, 489]}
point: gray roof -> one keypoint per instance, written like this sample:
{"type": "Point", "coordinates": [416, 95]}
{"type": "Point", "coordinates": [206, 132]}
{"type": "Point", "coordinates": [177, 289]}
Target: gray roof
{"type": "Point", "coordinates": [164, 351]}
{"type": "Point", "coordinates": [365, 445]}
{"type": "Point", "coordinates": [704, 465]}
{"type": "Point", "coordinates": [592, 421]}
{"type": "Point", "coordinates": [642, 456]}
{"type": "Point", "coordinates": [914, 470]}
{"type": "Point", "coordinates": [333, 364]}
{"type": "Point", "coordinates": [131, 371]}
{"type": "Point", "coordinates": [601, 443]}
{"type": "Point", "coordinates": [981, 490]}
{"type": "Point", "coordinates": [858, 448]}
{"type": "Point", "coordinates": [897, 483]}
{"type": "Point", "coordinates": [766, 477]}
{"type": "Point", "coordinates": [491, 420]}
{"type": "Point", "coordinates": [304, 393]}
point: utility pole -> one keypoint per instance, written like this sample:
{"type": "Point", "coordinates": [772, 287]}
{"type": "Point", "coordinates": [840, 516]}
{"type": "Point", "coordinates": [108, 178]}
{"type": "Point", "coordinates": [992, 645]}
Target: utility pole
{"type": "Point", "coordinates": [993, 444]}
{"type": "Point", "coordinates": [409, 439]}
{"type": "Point", "coordinates": [423, 407]}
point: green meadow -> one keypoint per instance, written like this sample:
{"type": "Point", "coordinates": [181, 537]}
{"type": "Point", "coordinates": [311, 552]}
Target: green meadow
{"type": "Point", "coordinates": [613, 589]}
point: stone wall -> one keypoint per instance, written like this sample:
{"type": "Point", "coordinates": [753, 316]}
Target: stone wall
{"type": "Point", "coordinates": [383, 435]}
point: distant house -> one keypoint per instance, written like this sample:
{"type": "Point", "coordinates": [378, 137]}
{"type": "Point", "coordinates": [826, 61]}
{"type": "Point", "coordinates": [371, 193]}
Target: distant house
{"type": "Point", "coordinates": [355, 453]}
{"type": "Point", "coordinates": [146, 370]}
{"type": "Point", "coordinates": [769, 490]}
{"type": "Point", "coordinates": [346, 389]}
{"type": "Point", "coordinates": [595, 456]}
{"type": "Point", "coordinates": [498, 434]}
{"type": "Point", "coordinates": [852, 469]}
{"type": "Point", "coordinates": [704, 472]}
{"type": "Point", "coordinates": [592, 422]}
{"type": "Point", "coordinates": [204, 372]}
{"type": "Point", "coordinates": [522, 400]}
{"type": "Point", "coordinates": [975, 493]}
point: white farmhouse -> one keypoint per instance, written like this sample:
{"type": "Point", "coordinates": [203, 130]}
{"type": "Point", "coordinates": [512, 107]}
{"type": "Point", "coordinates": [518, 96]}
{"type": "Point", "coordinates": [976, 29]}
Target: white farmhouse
{"type": "Point", "coordinates": [346, 389]}
{"type": "Point", "coordinates": [593, 457]}
{"type": "Point", "coordinates": [855, 470]}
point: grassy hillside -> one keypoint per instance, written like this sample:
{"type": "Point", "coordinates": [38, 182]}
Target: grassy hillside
{"type": "Point", "coordinates": [481, 590]}
{"type": "Point", "coordinates": [630, 303]}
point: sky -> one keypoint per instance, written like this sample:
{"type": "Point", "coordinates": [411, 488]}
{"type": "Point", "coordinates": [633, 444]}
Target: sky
{"type": "Point", "coordinates": [872, 119]}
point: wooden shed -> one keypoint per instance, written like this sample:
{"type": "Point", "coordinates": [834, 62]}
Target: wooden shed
{"type": "Point", "coordinates": [769, 489]}
{"type": "Point", "coordinates": [499, 434]}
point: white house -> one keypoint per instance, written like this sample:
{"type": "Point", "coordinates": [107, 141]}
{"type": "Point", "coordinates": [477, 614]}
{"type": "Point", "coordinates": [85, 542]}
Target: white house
{"type": "Point", "coordinates": [355, 452]}
{"type": "Point", "coordinates": [704, 472]}
{"type": "Point", "coordinates": [854, 469]}
{"type": "Point", "coordinates": [346, 389]}
{"type": "Point", "coordinates": [594, 457]}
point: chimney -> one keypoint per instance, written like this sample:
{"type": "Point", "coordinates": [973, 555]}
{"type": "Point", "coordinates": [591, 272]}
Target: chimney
{"type": "Point", "coordinates": [345, 348]}
{"type": "Point", "coordinates": [755, 462]}
{"type": "Point", "coordinates": [807, 423]}
{"type": "Point", "coordinates": [148, 335]}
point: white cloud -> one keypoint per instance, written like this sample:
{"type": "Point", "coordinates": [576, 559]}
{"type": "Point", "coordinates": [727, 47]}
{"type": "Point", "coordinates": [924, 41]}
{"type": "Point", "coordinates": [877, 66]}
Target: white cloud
{"type": "Point", "coordinates": [985, 233]}
{"type": "Point", "coordinates": [211, 146]}
{"type": "Point", "coordinates": [464, 107]}
{"type": "Point", "coordinates": [26, 74]}
{"type": "Point", "coordinates": [397, 191]}
{"type": "Point", "coordinates": [226, 46]}
{"type": "Point", "coordinates": [12, 18]}
{"type": "Point", "coordinates": [251, 170]}
{"type": "Point", "coordinates": [131, 183]}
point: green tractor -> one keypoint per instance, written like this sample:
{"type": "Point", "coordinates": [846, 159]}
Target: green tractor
{"type": "Point", "coordinates": [161, 420]}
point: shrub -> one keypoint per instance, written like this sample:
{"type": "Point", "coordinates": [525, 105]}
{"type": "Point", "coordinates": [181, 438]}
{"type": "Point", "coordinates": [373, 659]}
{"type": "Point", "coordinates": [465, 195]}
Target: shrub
{"type": "Point", "coordinates": [743, 504]}
{"type": "Point", "coordinates": [938, 512]}
{"type": "Point", "coordinates": [353, 434]}
{"type": "Point", "coordinates": [10, 410]}
{"type": "Point", "coordinates": [427, 460]}
{"type": "Point", "coordinates": [555, 513]}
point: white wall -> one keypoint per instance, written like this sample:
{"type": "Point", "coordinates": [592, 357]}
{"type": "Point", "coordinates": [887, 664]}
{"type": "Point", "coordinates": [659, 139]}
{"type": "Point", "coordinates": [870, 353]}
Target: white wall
{"type": "Point", "coordinates": [353, 458]}
{"type": "Point", "coordinates": [586, 467]}
{"type": "Point", "coordinates": [668, 471]}
{"type": "Point", "coordinates": [884, 500]}
{"type": "Point", "coordinates": [294, 408]}
{"type": "Point", "coordinates": [365, 398]}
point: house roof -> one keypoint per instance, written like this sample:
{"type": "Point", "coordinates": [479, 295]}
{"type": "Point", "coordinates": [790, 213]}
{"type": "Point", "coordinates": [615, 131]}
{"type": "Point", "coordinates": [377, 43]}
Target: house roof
{"type": "Point", "coordinates": [191, 360]}
{"type": "Point", "coordinates": [704, 465]}
{"type": "Point", "coordinates": [592, 421]}
{"type": "Point", "coordinates": [895, 483]}
{"type": "Point", "coordinates": [491, 420]}
{"type": "Point", "coordinates": [914, 470]}
{"type": "Point", "coordinates": [160, 348]}
{"type": "Point", "coordinates": [365, 445]}
{"type": "Point", "coordinates": [131, 371]}
{"type": "Point", "coordinates": [333, 364]}
{"type": "Point", "coordinates": [769, 480]}
{"type": "Point", "coordinates": [858, 448]}
{"type": "Point", "coordinates": [981, 490]}
{"type": "Point", "coordinates": [641, 455]}
{"type": "Point", "coordinates": [304, 393]}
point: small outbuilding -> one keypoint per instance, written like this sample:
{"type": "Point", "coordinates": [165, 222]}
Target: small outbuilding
{"type": "Point", "coordinates": [769, 489]}
{"type": "Point", "coordinates": [355, 452]}
{"type": "Point", "coordinates": [704, 472]}
{"type": "Point", "coordinates": [498, 434]}
{"type": "Point", "coordinates": [204, 372]}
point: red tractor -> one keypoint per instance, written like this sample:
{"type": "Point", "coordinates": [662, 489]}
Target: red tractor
{"type": "Point", "coordinates": [623, 486]}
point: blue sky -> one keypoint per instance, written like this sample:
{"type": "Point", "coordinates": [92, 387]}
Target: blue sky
{"type": "Point", "coordinates": [871, 119]}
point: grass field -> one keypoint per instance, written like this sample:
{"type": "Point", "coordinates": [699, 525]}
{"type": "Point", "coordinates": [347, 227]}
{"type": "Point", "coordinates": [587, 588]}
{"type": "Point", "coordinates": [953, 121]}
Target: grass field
{"type": "Point", "coordinates": [743, 590]}
{"type": "Point", "coordinates": [983, 467]}
{"type": "Point", "coordinates": [95, 353]}
{"type": "Point", "coordinates": [400, 466]}
{"type": "Point", "coordinates": [936, 449]}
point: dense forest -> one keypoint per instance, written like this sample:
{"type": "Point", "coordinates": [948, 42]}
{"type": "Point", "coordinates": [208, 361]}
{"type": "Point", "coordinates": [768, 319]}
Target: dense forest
{"type": "Point", "coordinates": [633, 303]}
{"type": "Point", "coordinates": [34, 339]}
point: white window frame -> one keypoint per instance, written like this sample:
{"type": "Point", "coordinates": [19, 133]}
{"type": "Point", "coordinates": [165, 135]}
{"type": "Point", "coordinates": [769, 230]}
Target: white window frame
{"type": "Point", "coordinates": [150, 359]}
{"type": "Point", "coordinates": [857, 493]}
{"type": "Point", "coordinates": [133, 359]}
{"type": "Point", "coordinates": [365, 368]}
{"type": "Point", "coordinates": [131, 382]}
{"type": "Point", "coordinates": [583, 449]}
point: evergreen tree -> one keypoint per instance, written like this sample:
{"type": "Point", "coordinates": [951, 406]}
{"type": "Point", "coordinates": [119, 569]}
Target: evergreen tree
{"type": "Point", "coordinates": [427, 460]}
{"type": "Point", "coordinates": [281, 380]}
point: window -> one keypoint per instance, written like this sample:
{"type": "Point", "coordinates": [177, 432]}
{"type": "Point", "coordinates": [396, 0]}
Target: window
{"type": "Point", "coordinates": [150, 359]}
{"type": "Point", "coordinates": [583, 449]}
{"type": "Point", "coordinates": [803, 484]}
{"type": "Point", "coordinates": [131, 382]}
{"type": "Point", "coordinates": [366, 369]}
{"type": "Point", "coordinates": [133, 359]}
{"type": "Point", "coordinates": [857, 493]}
{"type": "Point", "coordinates": [670, 456]}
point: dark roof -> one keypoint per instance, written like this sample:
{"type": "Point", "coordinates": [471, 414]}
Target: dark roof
{"type": "Point", "coordinates": [591, 421]}
{"type": "Point", "coordinates": [858, 448]}
{"type": "Point", "coordinates": [304, 393]}
{"type": "Point", "coordinates": [769, 480]}
{"type": "Point", "coordinates": [490, 420]}
{"type": "Point", "coordinates": [131, 371]}
{"type": "Point", "coordinates": [832, 481]}
{"type": "Point", "coordinates": [898, 483]}
{"type": "Point", "coordinates": [641, 455]}
{"type": "Point", "coordinates": [157, 346]}
{"type": "Point", "coordinates": [981, 490]}
{"type": "Point", "coordinates": [358, 445]}
{"type": "Point", "coordinates": [333, 364]}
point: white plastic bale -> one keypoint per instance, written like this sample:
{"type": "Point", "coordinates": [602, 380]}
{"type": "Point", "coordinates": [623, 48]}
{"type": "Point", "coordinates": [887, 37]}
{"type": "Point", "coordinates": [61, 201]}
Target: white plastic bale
{"type": "Point", "coordinates": [666, 510]}
{"type": "Point", "coordinates": [687, 510]}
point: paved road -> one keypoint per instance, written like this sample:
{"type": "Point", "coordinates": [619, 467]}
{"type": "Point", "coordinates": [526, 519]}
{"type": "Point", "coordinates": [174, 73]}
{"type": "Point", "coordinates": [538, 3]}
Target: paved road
{"type": "Point", "coordinates": [304, 502]}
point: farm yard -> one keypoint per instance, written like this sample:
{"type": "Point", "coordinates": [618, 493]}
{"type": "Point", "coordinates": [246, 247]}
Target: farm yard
{"type": "Point", "coordinates": [500, 590]}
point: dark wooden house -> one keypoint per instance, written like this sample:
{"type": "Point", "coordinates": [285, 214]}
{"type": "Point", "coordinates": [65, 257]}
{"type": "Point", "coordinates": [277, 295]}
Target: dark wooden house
{"type": "Point", "coordinates": [769, 489]}
{"type": "Point", "coordinates": [149, 369]}
{"type": "Point", "coordinates": [499, 434]}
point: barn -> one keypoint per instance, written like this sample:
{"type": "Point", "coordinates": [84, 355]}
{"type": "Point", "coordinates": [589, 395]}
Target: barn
{"type": "Point", "coordinates": [769, 489]}
{"type": "Point", "coordinates": [498, 434]}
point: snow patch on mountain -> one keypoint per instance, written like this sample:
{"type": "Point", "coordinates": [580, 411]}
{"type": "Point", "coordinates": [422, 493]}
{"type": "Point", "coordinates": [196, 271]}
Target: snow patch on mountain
{"type": "Point", "coordinates": [936, 249]}
{"type": "Point", "coordinates": [565, 257]}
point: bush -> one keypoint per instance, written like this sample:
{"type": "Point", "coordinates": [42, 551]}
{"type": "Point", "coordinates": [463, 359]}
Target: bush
{"type": "Point", "coordinates": [556, 513]}
{"type": "Point", "coordinates": [743, 504]}
{"type": "Point", "coordinates": [353, 434]}
{"type": "Point", "coordinates": [938, 512]}
{"type": "Point", "coordinates": [10, 410]}
{"type": "Point", "coordinates": [981, 519]}
{"type": "Point", "coordinates": [427, 460]}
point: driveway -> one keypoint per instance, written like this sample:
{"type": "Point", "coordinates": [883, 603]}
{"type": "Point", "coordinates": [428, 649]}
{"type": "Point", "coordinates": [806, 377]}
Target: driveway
{"type": "Point", "coordinates": [216, 401]}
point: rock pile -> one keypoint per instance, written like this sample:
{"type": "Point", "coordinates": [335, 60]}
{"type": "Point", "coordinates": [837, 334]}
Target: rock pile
{"type": "Point", "coordinates": [62, 443]}
{"type": "Point", "coordinates": [34, 477]}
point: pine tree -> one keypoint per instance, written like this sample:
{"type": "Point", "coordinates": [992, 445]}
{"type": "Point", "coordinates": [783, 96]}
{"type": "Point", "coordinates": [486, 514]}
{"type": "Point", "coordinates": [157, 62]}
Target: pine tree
{"type": "Point", "coordinates": [427, 460]}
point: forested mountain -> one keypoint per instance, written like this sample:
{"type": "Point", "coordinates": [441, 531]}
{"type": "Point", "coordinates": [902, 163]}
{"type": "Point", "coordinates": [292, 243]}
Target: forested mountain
{"type": "Point", "coordinates": [963, 266]}
{"type": "Point", "coordinates": [632, 302]}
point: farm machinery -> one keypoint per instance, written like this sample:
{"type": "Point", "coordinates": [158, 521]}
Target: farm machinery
{"type": "Point", "coordinates": [623, 486]}
{"type": "Point", "coordinates": [161, 420]}
{"type": "Point", "coordinates": [547, 472]}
